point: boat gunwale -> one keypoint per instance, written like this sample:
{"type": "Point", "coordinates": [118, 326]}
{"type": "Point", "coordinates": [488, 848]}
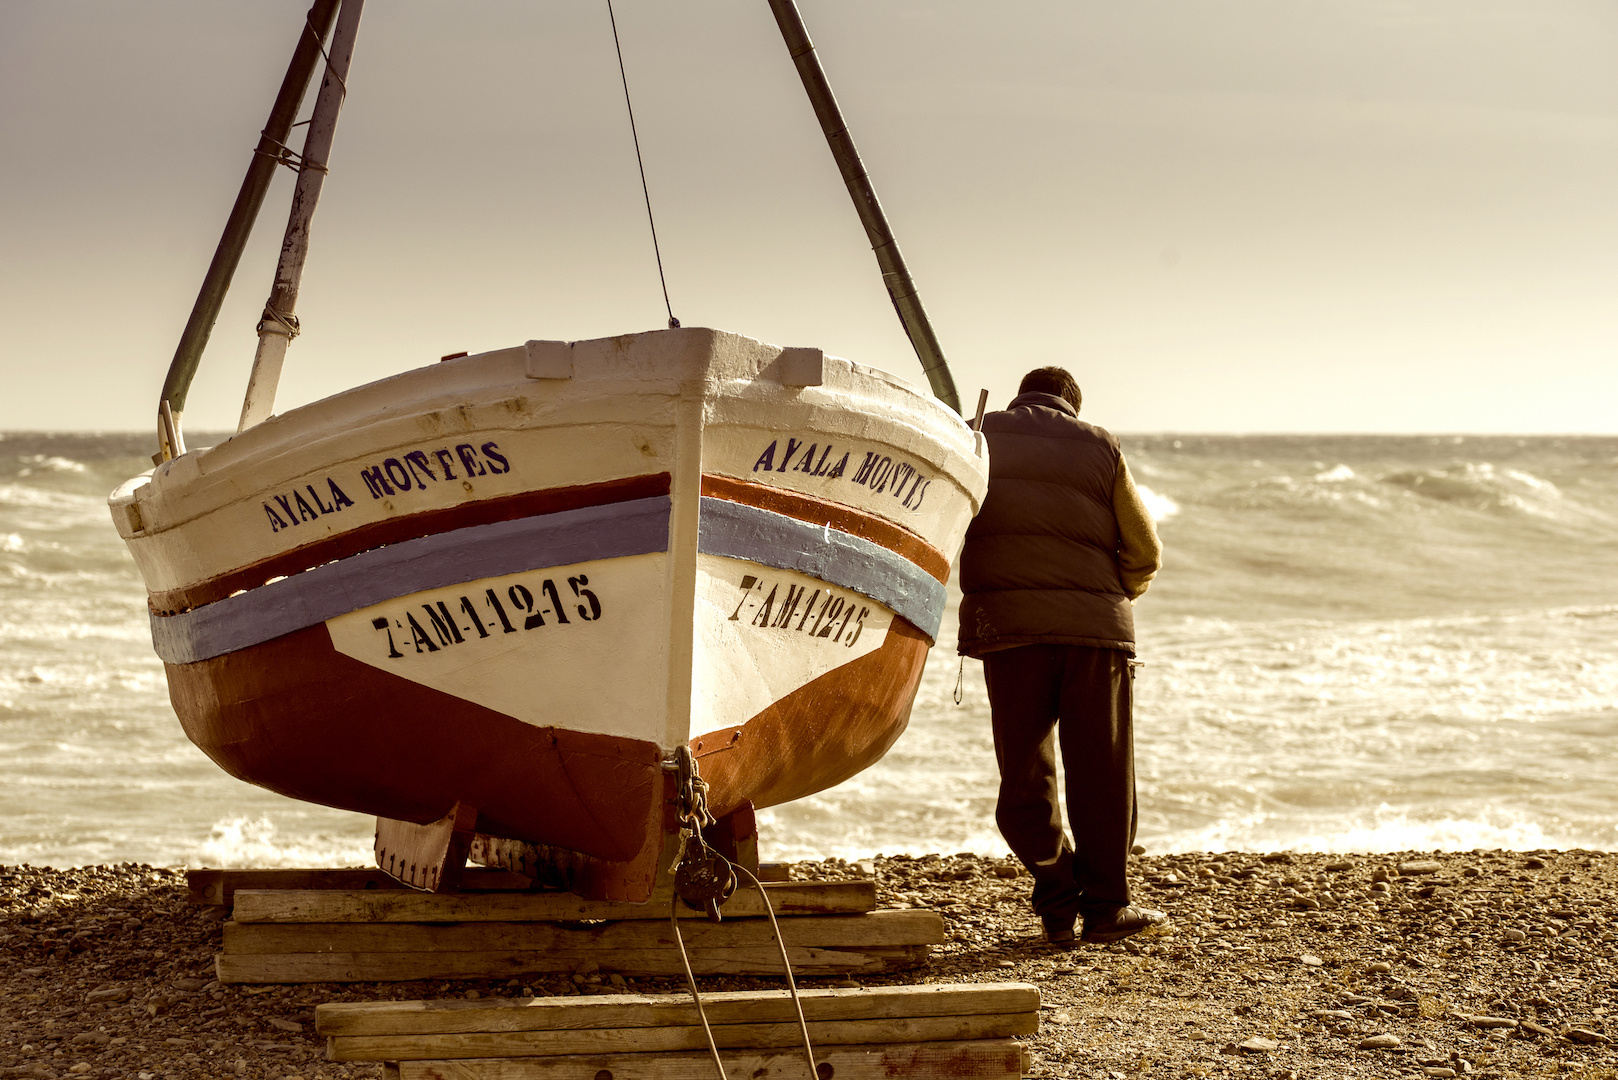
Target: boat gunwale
{"type": "Point", "coordinates": [434, 390]}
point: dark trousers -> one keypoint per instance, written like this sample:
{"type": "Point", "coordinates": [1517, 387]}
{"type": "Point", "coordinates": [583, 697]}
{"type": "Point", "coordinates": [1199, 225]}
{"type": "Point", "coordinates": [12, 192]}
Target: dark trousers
{"type": "Point", "coordinates": [1078, 698]}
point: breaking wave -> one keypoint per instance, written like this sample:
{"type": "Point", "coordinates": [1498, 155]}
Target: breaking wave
{"type": "Point", "coordinates": [241, 841]}
{"type": "Point", "coordinates": [1160, 507]}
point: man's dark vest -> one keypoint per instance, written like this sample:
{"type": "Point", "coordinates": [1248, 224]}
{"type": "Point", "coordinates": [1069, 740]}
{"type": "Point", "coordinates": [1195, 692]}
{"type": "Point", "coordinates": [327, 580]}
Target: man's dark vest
{"type": "Point", "coordinates": [1040, 565]}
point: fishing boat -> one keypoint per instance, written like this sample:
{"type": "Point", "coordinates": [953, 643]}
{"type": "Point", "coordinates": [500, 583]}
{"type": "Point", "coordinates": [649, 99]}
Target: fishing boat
{"type": "Point", "coordinates": [519, 589]}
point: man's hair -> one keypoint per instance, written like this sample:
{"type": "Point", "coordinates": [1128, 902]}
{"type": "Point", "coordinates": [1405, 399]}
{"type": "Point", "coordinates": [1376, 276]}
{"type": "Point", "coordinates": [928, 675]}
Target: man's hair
{"type": "Point", "coordinates": [1052, 380]}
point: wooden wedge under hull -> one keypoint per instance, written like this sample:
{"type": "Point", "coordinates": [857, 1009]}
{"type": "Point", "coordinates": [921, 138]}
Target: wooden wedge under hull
{"type": "Point", "coordinates": [519, 580]}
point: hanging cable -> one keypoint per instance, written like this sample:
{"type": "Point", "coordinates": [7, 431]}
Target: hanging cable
{"type": "Point", "coordinates": [691, 982]}
{"type": "Point", "coordinates": [786, 963]}
{"type": "Point", "coordinates": [704, 879]}
{"type": "Point", "coordinates": [674, 324]}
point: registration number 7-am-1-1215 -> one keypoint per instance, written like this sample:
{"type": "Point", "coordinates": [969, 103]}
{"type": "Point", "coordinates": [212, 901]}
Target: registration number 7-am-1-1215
{"type": "Point", "coordinates": [796, 612]}
{"type": "Point", "coordinates": [446, 624]}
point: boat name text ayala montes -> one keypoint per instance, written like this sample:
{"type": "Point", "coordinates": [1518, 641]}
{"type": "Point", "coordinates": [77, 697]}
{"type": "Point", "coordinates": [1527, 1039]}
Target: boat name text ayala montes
{"type": "Point", "coordinates": [877, 471]}
{"type": "Point", "coordinates": [417, 470]}
{"type": "Point", "coordinates": [409, 471]}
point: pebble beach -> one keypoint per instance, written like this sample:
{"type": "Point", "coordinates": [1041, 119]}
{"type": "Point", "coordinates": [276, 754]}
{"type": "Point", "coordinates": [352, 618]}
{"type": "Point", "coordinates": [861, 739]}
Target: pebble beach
{"type": "Point", "coordinates": [1490, 964]}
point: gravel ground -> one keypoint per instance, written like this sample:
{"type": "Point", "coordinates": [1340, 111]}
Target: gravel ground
{"type": "Point", "coordinates": [1490, 964]}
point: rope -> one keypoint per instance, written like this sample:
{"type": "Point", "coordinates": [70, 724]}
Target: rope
{"type": "Point", "coordinates": [691, 981]}
{"type": "Point", "coordinates": [289, 323]}
{"type": "Point", "coordinates": [288, 156]}
{"type": "Point", "coordinates": [693, 812]}
{"type": "Point", "coordinates": [674, 323]}
{"type": "Point", "coordinates": [321, 45]}
{"type": "Point", "coordinates": [786, 964]}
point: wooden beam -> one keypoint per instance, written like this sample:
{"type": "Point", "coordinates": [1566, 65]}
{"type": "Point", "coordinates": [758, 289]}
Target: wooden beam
{"type": "Point", "coordinates": [239, 226]}
{"type": "Point", "coordinates": [644, 1010]}
{"type": "Point", "coordinates": [406, 966]}
{"type": "Point", "coordinates": [913, 927]}
{"type": "Point", "coordinates": [277, 330]}
{"type": "Point", "coordinates": [219, 887]}
{"type": "Point", "coordinates": [979, 1059]}
{"type": "Point", "coordinates": [670, 1039]}
{"type": "Point", "coordinates": [399, 906]}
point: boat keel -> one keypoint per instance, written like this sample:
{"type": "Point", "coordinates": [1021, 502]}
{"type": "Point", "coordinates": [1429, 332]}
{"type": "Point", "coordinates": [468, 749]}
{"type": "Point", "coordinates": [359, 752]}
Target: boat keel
{"type": "Point", "coordinates": [427, 857]}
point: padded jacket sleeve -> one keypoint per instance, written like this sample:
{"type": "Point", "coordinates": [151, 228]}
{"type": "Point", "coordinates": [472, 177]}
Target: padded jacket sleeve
{"type": "Point", "coordinates": [1140, 553]}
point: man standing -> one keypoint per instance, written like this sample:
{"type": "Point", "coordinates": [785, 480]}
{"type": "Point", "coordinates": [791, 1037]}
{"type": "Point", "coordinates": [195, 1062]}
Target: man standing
{"type": "Point", "coordinates": [1051, 569]}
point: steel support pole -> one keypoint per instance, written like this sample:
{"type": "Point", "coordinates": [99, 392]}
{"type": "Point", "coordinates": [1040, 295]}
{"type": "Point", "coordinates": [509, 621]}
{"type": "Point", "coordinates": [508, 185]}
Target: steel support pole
{"type": "Point", "coordinates": [260, 170]}
{"type": "Point", "coordinates": [901, 289]}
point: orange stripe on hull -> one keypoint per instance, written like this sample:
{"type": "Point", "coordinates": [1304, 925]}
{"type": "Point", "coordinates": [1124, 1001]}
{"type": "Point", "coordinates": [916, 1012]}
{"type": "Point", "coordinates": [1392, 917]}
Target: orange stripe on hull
{"type": "Point", "coordinates": [861, 523]}
{"type": "Point", "coordinates": [819, 735]}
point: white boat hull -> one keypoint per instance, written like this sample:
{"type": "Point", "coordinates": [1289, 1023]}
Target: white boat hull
{"type": "Point", "coordinates": [519, 580]}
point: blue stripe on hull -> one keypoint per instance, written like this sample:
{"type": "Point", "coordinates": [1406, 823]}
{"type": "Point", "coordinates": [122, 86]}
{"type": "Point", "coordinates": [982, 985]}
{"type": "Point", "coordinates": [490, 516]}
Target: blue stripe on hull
{"type": "Point", "coordinates": [637, 527]}
{"type": "Point", "coordinates": [739, 531]}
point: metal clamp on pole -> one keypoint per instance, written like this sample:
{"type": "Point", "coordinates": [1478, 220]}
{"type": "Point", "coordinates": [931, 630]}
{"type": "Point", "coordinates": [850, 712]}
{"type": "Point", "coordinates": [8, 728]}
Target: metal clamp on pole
{"type": "Point", "coordinates": [170, 442]}
{"type": "Point", "coordinates": [977, 435]}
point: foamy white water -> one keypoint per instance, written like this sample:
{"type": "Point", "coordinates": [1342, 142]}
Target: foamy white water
{"type": "Point", "coordinates": [1358, 644]}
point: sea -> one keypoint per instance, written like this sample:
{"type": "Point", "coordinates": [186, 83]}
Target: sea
{"type": "Point", "coordinates": [1357, 644]}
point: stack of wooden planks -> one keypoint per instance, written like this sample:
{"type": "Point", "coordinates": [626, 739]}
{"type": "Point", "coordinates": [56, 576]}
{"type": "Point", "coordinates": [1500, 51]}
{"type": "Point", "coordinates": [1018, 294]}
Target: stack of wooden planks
{"type": "Point", "coordinates": [937, 1032]}
{"type": "Point", "coordinates": [303, 935]}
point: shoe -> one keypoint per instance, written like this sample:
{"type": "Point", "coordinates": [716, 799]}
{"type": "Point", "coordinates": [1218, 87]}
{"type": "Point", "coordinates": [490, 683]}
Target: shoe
{"type": "Point", "coordinates": [1120, 923]}
{"type": "Point", "coordinates": [1058, 929]}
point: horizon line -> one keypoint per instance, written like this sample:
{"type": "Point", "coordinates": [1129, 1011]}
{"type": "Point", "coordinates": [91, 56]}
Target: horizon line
{"type": "Point", "coordinates": [222, 434]}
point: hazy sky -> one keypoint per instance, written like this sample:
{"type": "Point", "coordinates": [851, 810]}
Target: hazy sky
{"type": "Point", "coordinates": [1222, 215]}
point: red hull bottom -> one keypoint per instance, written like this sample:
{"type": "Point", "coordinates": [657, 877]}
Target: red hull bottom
{"type": "Point", "coordinates": [295, 716]}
